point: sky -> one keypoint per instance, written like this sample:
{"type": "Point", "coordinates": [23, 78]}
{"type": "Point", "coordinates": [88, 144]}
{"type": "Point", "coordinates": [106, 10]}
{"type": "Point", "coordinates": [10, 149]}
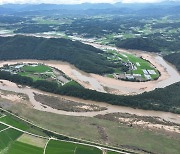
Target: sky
{"type": "Point", "coordinates": [79, 1]}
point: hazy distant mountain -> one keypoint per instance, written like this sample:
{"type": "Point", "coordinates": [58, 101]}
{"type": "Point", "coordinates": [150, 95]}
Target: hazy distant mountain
{"type": "Point", "coordinates": [90, 8]}
{"type": "Point", "coordinates": [5, 10]}
{"type": "Point", "coordinates": [34, 7]}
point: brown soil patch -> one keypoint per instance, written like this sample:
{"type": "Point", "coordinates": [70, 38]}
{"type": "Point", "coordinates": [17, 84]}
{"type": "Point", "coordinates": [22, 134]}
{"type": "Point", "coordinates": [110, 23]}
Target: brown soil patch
{"type": "Point", "coordinates": [145, 122]}
{"type": "Point", "coordinates": [66, 105]}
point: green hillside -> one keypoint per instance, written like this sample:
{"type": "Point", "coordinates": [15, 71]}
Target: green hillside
{"type": "Point", "coordinates": [174, 58]}
{"type": "Point", "coordinates": [84, 57]}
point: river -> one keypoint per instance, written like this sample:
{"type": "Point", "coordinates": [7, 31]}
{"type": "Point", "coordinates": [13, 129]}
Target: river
{"type": "Point", "coordinates": [169, 75]}
{"type": "Point", "coordinates": [9, 86]}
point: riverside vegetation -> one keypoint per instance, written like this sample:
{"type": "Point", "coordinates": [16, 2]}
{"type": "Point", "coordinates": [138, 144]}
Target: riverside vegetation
{"type": "Point", "coordinates": [165, 99]}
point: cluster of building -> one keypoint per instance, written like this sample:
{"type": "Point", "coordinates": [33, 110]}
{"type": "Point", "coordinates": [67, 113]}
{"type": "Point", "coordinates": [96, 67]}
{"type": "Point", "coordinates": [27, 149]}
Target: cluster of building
{"type": "Point", "coordinates": [136, 77]}
{"type": "Point", "coordinates": [17, 68]}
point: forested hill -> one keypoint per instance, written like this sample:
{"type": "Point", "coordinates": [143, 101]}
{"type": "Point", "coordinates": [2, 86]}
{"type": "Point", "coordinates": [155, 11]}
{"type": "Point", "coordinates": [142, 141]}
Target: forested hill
{"type": "Point", "coordinates": [84, 57]}
{"type": "Point", "coordinates": [151, 44]}
{"type": "Point", "coordinates": [147, 44]}
{"type": "Point", "coordinates": [174, 59]}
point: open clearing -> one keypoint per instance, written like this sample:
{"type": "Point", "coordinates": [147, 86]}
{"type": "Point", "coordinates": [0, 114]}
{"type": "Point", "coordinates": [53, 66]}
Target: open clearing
{"type": "Point", "coordinates": [32, 140]}
{"type": "Point", "coordinates": [37, 68]}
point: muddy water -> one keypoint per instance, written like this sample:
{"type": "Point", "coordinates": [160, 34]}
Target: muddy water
{"type": "Point", "coordinates": [169, 74]}
{"type": "Point", "coordinates": [9, 86]}
{"type": "Point", "coordinates": [92, 81]}
{"type": "Point", "coordinates": [174, 74]}
{"type": "Point", "coordinates": [81, 77]}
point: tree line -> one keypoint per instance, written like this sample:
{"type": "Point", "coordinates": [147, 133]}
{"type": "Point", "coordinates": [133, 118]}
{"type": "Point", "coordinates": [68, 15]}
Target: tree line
{"type": "Point", "coordinates": [174, 58]}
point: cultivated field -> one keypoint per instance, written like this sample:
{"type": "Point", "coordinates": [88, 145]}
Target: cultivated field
{"type": "Point", "coordinates": [55, 147]}
{"type": "Point", "coordinates": [105, 131]}
{"type": "Point", "coordinates": [19, 137]}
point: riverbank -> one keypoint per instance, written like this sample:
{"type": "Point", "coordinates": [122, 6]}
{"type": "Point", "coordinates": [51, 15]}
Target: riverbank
{"type": "Point", "coordinates": [169, 75]}
{"type": "Point", "coordinates": [9, 86]}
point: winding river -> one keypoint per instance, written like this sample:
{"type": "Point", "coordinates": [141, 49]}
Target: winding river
{"type": "Point", "coordinates": [169, 75]}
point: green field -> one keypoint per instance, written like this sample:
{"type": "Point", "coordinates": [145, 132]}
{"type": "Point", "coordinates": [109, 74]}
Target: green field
{"type": "Point", "coordinates": [37, 69]}
{"type": "Point", "coordinates": [14, 141]}
{"type": "Point", "coordinates": [14, 123]}
{"type": "Point", "coordinates": [59, 147]}
{"type": "Point", "coordinates": [22, 148]}
{"type": "Point", "coordinates": [7, 137]}
{"type": "Point", "coordinates": [87, 129]}
{"type": "Point", "coordinates": [2, 127]}
{"type": "Point", "coordinates": [31, 71]}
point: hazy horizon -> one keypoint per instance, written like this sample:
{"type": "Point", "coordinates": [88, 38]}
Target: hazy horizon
{"type": "Point", "coordinates": [80, 1]}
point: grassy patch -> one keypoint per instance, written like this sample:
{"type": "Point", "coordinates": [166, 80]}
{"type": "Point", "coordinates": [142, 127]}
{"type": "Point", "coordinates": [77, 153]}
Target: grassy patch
{"type": "Point", "coordinates": [60, 147]}
{"type": "Point", "coordinates": [32, 140]}
{"type": "Point", "coordinates": [14, 122]}
{"type": "Point", "coordinates": [2, 127]}
{"type": "Point", "coordinates": [22, 148]}
{"type": "Point", "coordinates": [7, 137]}
{"type": "Point", "coordinates": [110, 76]}
{"type": "Point", "coordinates": [37, 69]}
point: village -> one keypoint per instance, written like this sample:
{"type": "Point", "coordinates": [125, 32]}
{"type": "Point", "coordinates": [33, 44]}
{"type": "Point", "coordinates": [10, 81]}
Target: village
{"type": "Point", "coordinates": [37, 71]}
{"type": "Point", "coordinates": [134, 68]}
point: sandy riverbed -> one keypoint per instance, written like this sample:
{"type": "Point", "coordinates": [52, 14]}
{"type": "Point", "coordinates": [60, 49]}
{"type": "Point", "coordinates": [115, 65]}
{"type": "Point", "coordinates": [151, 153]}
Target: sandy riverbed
{"type": "Point", "coordinates": [9, 86]}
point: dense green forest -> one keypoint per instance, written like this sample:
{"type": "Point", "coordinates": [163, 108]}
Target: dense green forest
{"type": "Point", "coordinates": [174, 58]}
{"type": "Point", "coordinates": [145, 44]}
{"type": "Point", "coordinates": [151, 43]}
{"type": "Point", "coordinates": [84, 57]}
{"type": "Point", "coordinates": [166, 99]}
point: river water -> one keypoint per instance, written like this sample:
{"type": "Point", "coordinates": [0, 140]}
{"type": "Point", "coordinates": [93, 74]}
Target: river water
{"type": "Point", "coordinates": [9, 86]}
{"type": "Point", "coordinates": [169, 76]}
